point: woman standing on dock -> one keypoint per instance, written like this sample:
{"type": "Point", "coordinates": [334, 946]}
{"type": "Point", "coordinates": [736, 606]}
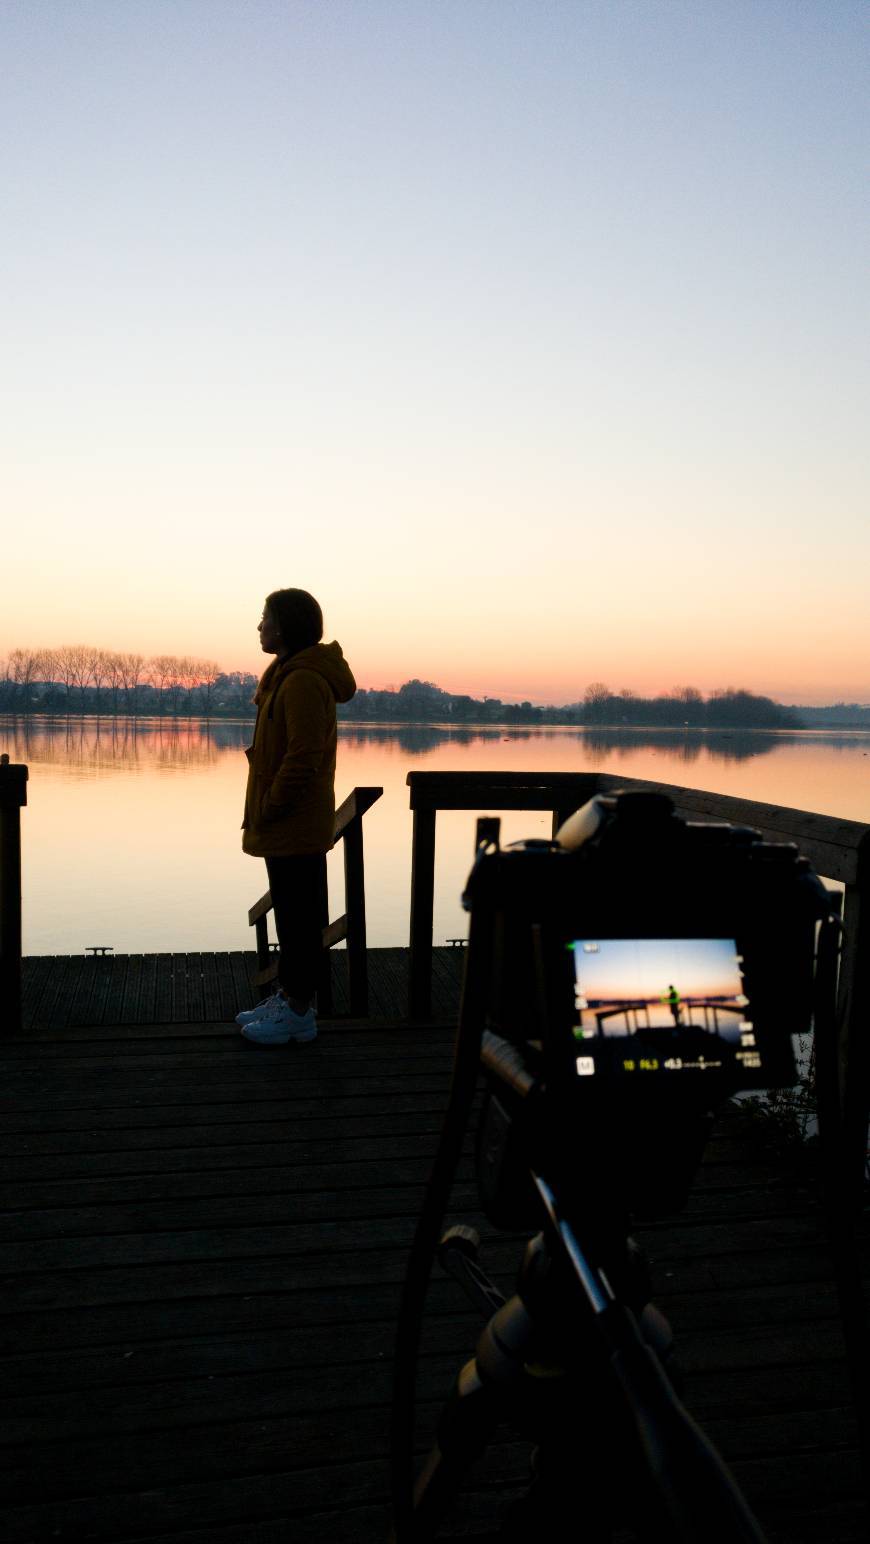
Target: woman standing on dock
{"type": "Point", "coordinates": [290, 801]}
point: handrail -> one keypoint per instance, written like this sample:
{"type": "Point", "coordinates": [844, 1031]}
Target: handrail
{"type": "Point", "coordinates": [559, 792]}
{"type": "Point", "coordinates": [350, 926]}
{"type": "Point", "coordinates": [13, 796]}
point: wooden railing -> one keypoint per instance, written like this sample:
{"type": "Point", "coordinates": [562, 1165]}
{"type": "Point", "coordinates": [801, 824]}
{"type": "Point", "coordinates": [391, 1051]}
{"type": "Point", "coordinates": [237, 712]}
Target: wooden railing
{"type": "Point", "coordinates": [838, 850]}
{"type": "Point", "coordinates": [351, 926]}
{"type": "Point", "coordinates": [13, 796]}
{"type": "Point", "coordinates": [559, 792]}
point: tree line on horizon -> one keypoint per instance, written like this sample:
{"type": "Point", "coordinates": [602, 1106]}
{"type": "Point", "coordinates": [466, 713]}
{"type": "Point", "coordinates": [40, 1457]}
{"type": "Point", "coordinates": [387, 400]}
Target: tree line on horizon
{"type": "Point", "coordinates": [81, 679]}
{"type": "Point", "coordinates": [683, 707]}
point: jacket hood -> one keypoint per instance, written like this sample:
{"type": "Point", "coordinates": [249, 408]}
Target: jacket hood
{"type": "Point", "coordinates": [325, 658]}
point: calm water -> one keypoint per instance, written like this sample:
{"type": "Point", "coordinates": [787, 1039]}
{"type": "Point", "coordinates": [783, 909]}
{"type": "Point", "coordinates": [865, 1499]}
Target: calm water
{"type": "Point", "coordinates": [131, 835]}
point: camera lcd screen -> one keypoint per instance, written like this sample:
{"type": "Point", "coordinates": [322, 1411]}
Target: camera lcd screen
{"type": "Point", "coordinates": [661, 1005]}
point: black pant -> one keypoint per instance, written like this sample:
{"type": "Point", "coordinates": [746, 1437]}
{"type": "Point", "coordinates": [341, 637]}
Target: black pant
{"type": "Point", "coordinates": [298, 886]}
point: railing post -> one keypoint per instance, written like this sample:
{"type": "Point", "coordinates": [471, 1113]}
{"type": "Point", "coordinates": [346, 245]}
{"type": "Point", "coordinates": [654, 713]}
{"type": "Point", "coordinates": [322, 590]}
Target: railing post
{"type": "Point", "coordinates": [13, 796]}
{"type": "Point", "coordinates": [854, 1021]}
{"type": "Point", "coordinates": [355, 910]}
{"type": "Point", "coordinates": [422, 914]}
{"type": "Point", "coordinates": [324, 984]}
{"type": "Point", "coordinates": [261, 933]}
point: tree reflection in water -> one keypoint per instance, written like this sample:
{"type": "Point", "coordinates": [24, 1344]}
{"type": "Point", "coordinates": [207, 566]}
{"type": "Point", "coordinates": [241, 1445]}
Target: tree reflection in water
{"type": "Point", "coordinates": [124, 742]}
{"type": "Point", "coordinates": [681, 745]}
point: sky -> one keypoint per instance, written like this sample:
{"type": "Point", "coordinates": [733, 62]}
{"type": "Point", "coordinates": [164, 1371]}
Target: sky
{"type": "Point", "coordinates": [648, 968]}
{"type": "Point", "coordinates": [529, 335]}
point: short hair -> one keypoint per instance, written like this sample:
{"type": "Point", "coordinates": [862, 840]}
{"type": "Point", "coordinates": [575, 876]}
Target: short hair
{"type": "Point", "coordinates": [297, 617]}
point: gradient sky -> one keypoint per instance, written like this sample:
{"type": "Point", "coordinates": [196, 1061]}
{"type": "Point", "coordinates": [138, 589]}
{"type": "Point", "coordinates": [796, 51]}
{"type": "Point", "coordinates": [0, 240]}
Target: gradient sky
{"type": "Point", "coordinates": [644, 968]}
{"type": "Point", "coordinates": [530, 335]}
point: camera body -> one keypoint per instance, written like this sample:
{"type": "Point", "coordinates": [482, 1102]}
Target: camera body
{"type": "Point", "coordinates": [640, 969]}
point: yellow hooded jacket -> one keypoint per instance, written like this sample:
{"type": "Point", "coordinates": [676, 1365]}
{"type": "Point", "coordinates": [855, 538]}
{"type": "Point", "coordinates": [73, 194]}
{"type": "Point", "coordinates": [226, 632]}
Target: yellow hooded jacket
{"type": "Point", "coordinates": [290, 798]}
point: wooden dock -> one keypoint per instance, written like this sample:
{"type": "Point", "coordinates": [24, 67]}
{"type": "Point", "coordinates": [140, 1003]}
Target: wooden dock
{"type": "Point", "coordinates": [203, 1248]}
{"type": "Point", "coordinates": [66, 991]}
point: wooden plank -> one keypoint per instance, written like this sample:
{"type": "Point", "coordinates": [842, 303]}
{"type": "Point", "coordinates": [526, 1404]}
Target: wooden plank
{"type": "Point", "coordinates": [163, 988]}
{"type": "Point", "coordinates": [133, 989]}
{"type": "Point", "coordinates": [127, 991]}
{"type": "Point", "coordinates": [59, 1292]}
{"type": "Point", "coordinates": [178, 1008]}
{"type": "Point", "coordinates": [340, 990]}
{"type": "Point", "coordinates": [501, 791]}
{"type": "Point", "coordinates": [227, 990]}
{"type": "Point", "coordinates": [114, 994]}
{"type": "Point", "coordinates": [36, 973]}
{"type": "Point", "coordinates": [195, 1007]}
{"type": "Point", "coordinates": [260, 908]}
{"type": "Point", "coordinates": [295, 1493]}
{"type": "Point", "coordinates": [244, 988]}
{"type": "Point", "coordinates": [357, 804]}
{"type": "Point", "coordinates": [335, 933]}
{"type": "Point", "coordinates": [60, 967]}
{"type": "Point", "coordinates": [144, 1006]}
{"type": "Point", "coordinates": [211, 1007]}
{"type": "Point", "coordinates": [102, 975]}
{"type": "Point", "coordinates": [77, 982]}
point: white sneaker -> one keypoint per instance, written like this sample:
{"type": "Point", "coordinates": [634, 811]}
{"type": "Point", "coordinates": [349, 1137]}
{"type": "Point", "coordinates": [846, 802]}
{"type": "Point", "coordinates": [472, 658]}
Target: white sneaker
{"type": "Point", "coordinates": [278, 1024]}
{"type": "Point", "coordinates": [257, 1013]}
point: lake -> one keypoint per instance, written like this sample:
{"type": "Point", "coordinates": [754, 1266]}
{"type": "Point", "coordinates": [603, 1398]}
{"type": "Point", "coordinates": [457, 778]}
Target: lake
{"type": "Point", "coordinates": [131, 833]}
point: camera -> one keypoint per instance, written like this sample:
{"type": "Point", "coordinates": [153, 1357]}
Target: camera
{"type": "Point", "coordinates": [642, 969]}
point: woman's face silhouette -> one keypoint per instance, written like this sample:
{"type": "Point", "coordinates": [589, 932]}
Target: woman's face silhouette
{"type": "Point", "coordinates": [270, 638]}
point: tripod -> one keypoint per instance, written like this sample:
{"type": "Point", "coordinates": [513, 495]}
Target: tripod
{"type": "Point", "coordinates": [576, 1363]}
{"type": "Point", "coordinates": [579, 1130]}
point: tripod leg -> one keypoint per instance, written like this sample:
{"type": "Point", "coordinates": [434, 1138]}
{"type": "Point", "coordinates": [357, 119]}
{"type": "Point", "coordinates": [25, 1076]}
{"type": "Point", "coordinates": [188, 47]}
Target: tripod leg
{"type": "Point", "coordinates": [466, 1425]}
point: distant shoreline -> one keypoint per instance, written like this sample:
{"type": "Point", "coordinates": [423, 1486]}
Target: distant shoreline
{"type": "Point", "coordinates": [452, 726]}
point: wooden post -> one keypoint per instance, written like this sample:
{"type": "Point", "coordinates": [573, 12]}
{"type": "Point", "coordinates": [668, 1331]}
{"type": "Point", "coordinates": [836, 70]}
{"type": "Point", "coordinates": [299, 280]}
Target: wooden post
{"type": "Point", "coordinates": [13, 796]}
{"type": "Point", "coordinates": [854, 1020]}
{"type": "Point", "coordinates": [324, 984]}
{"type": "Point", "coordinates": [261, 932]}
{"type": "Point", "coordinates": [355, 910]}
{"type": "Point", "coordinates": [422, 914]}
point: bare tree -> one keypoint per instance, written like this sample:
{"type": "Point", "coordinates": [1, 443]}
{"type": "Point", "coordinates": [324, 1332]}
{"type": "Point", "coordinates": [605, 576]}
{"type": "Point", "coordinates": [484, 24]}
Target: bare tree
{"type": "Point", "coordinates": [98, 666]}
{"type": "Point", "coordinates": [208, 672]}
{"type": "Point", "coordinates": [595, 696]}
{"type": "Point", "coordinates": [65, 666]}
{"type": "Point", "coordinates": [175, 681]}
{"type": "Point", "coordinates": [115, 676]}
{"type": "Point", "coordinates": [132, 668]}
{"type": "Point", "coordinates": [74, 660]}
{"type": "Point", "coordinates": [188, 678]}
{"type": "Point", "coordinates": [161, 671]}
{"type": "Point", "coordinates": [25, 667]}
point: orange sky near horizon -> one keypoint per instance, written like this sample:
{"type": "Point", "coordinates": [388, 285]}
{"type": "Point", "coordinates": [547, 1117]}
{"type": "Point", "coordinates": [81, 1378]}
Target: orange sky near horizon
{"type": "Point", "coordinates": [795, 655]}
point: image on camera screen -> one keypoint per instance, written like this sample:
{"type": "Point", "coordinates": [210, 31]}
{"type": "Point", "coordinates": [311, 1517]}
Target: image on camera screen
{"type": "Point", "coordinates": [661, 1005]}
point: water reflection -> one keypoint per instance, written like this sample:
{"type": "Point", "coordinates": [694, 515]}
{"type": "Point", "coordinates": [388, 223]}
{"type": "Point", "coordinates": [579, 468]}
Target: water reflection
{"type": "Point", "coordinates": [120, 744]}
{"type": "Point", "coordinates": [131, 836]}
{"type": "Point", "coordinates": [684, 746]}
{"type": "Point", "coordinates": [95, 743]}
{"type": "Point", "coordinates": [604, 744]}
